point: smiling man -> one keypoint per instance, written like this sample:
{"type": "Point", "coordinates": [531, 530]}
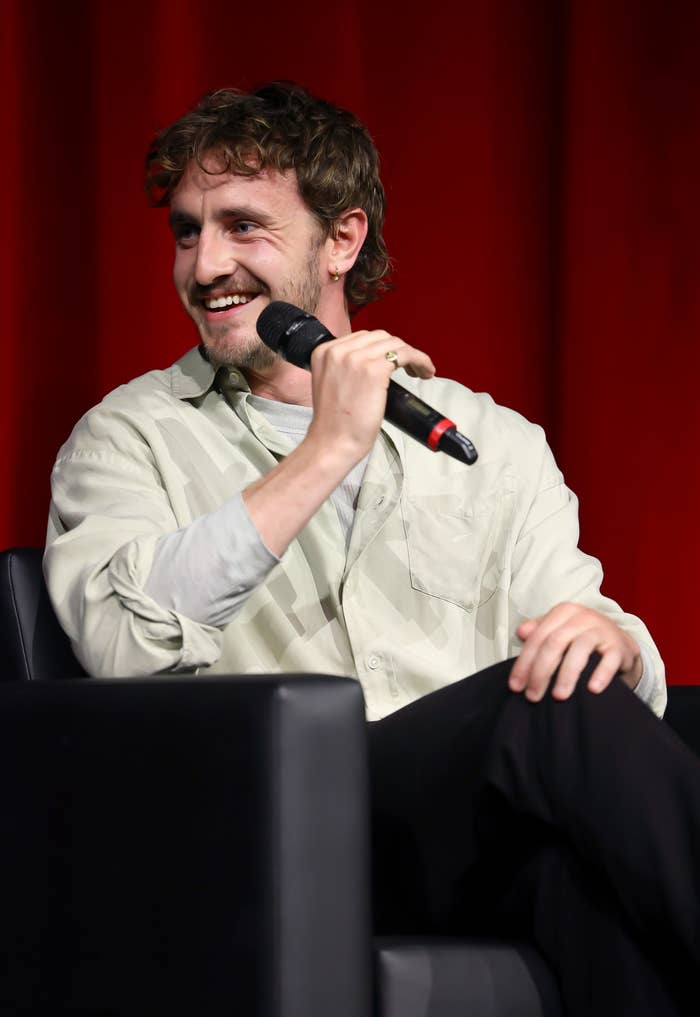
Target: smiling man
{"type": "Point", "coordinates": [260, 224]}
{"type": "Point", "coordinates": [235, 513]}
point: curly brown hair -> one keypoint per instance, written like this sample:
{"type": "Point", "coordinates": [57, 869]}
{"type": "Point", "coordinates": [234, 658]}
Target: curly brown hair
{"type": "Point", "coordinates": [281, 126]}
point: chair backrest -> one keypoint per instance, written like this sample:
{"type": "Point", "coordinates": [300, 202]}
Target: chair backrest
{"type": "Point", "coordinates": [683, 713]}
{"type": "Point", "coordinates": [34, 644]}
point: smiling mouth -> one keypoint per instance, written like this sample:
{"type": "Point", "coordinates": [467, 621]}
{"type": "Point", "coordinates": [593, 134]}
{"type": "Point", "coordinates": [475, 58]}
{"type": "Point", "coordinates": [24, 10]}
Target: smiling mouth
{"type": "Point", "coordinates": [224, 303]}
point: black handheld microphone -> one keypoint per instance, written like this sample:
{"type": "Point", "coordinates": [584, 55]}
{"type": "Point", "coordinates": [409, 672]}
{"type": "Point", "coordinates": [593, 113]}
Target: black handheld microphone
{"type": "Point", "coordinates": [295, 334]}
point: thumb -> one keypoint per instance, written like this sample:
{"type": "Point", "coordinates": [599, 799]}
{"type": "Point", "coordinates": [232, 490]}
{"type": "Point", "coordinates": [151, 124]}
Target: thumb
{"type": "Point", "coordinates": [526, 627]}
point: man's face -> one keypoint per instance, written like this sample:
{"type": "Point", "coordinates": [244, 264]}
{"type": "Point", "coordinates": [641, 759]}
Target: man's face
{"type": "Point", "coordinates": [242, 242]}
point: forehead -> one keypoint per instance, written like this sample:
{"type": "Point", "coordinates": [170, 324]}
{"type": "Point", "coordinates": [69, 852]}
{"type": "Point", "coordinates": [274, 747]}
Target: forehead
{"type": "Point", "coordinates": [201, 189]}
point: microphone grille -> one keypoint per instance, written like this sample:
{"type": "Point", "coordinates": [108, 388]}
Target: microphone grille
{"type": "Point", "coordinates": [275, 319]}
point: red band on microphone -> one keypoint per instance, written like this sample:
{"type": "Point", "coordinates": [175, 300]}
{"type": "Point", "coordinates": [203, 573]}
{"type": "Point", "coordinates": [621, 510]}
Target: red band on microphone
{"type": "Point", "coordinates": [438, 431]}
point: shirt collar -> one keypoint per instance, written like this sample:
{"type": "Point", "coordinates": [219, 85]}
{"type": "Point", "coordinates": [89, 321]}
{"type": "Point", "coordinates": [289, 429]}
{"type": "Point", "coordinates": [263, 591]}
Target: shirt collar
{"type": "Point", "coordinates": [192, 376]}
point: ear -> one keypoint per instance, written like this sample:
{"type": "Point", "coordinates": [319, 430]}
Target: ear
{"type": "Point", "coordinates": [345, 240]}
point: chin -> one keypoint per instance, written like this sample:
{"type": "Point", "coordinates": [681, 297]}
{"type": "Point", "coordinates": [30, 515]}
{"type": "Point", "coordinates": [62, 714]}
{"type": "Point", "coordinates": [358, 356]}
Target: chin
{"type": "Point", "coordinates": [250, 353]}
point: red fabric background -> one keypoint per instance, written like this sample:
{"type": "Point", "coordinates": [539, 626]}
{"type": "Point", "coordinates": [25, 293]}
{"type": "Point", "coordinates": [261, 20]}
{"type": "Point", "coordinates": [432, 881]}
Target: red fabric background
{"type": "Point", "coordinates": [541, 163]}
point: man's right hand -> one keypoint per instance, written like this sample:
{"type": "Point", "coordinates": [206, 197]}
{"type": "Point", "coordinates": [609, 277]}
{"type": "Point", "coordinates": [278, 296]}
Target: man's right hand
{"type": "Point", "coordinates": [350, 376]}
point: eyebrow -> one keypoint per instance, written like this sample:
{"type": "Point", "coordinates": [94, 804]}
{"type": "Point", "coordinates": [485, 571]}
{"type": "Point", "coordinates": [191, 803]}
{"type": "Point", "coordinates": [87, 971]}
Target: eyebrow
{"type": "Point", "coordinates": [180, 218]}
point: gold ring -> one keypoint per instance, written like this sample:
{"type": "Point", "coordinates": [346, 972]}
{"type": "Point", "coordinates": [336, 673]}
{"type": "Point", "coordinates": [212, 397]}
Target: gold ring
{"type": "Point", "coordinates": [392, 356]}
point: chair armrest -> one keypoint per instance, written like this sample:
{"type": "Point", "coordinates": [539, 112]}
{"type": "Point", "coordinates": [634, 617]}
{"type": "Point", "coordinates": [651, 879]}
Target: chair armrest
{"type": "Point", "coordinates": [184, 845]}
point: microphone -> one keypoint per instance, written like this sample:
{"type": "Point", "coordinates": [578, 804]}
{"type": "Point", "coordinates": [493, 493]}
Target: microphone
{"type": "Point", "coordinates": [295, 334]}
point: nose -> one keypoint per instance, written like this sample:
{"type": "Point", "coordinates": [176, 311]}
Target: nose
{"type": "Point", "coordinates": [214, 257]}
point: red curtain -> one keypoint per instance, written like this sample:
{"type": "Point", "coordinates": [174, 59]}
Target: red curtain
{"type": "Point", "coordinates": [541, 163]}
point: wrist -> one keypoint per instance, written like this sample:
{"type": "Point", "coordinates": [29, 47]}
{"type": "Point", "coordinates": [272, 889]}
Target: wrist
{"type": "Point", "coordinates": [332, 454]}
{"type": "Point", "coordinates": [282, 502]}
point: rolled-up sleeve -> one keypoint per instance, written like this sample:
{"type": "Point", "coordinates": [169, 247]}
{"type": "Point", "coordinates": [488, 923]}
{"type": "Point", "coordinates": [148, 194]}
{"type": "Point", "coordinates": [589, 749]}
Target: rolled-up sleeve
{"type": "Point", "coordinates": [108, 512]}
{"type": "Point", "coordinates": [550, 568]}
{"type": "Point", "coordinates": [207, 570]}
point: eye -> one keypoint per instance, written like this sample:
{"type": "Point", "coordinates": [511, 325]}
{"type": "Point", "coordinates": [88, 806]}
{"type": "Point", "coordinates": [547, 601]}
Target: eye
{"type": "Point", "coordinates": [244, 228]}
{"type": "Point", "coordinates": [186, 234]}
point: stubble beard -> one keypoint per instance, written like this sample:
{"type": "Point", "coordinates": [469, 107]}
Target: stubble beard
{"type": "Point", "coordinates": [250, 352]}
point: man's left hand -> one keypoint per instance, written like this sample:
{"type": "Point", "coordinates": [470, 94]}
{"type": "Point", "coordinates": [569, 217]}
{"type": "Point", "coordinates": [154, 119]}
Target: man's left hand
{"type": "Point", "coordinates": [565, 638]}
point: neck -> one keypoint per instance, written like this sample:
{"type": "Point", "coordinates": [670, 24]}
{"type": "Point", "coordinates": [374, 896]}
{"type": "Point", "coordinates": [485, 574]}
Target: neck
{"type": "Point", "coordinates": [286, 383]}
{"type": "Point", "coordinates": [283, 382]}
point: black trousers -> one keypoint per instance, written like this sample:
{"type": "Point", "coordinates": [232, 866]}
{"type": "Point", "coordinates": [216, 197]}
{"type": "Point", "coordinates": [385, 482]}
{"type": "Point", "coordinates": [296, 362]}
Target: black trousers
{"type": "Point", "coordinates": [573, 824]}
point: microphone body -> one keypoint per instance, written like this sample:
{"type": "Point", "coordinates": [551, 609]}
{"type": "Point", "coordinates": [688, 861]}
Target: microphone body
{"type": "Point", "coordinates": [295, 334]}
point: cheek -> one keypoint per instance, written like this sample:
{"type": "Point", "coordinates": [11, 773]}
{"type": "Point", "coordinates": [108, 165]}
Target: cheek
{"type": "Point", "coordinates": [259, 259]}
{"type": "Point", "coordinates": [181, 271]}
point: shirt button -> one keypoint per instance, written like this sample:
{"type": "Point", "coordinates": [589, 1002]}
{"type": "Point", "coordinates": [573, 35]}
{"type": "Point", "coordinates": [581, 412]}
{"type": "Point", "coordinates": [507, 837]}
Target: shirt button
{"type": "Point", "coordinates": [373, 662]}
{"type": "Point", "coordinates": [379, 501]}
{"type": "Point", "coordinates": [234, 378]}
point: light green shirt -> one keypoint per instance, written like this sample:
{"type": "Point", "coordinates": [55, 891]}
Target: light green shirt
{"type": "Point", "coordinates": [443, 561]}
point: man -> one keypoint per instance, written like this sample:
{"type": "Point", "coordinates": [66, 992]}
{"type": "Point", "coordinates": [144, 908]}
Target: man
{"type": "Point", "coordinates": [237, 513]}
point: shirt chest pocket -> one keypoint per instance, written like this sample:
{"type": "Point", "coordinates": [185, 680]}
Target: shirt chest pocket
{"type": "Point", "coordinates": [454, 553]}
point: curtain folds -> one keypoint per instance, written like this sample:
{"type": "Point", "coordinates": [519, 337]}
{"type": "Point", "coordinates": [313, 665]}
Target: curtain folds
{"type": "Point", "coordinates": [541, 164]}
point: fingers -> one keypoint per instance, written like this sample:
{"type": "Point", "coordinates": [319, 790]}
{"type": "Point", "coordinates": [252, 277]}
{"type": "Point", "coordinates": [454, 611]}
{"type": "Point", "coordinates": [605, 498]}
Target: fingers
{"type": "Point", "coordinates": [350, 376]}
{"type": "Point", "coordinates": [565, 638]}
{"type": "Point", "coordinates": [543, 649]}
{"type": "Point", "coordinates": [369, 349]}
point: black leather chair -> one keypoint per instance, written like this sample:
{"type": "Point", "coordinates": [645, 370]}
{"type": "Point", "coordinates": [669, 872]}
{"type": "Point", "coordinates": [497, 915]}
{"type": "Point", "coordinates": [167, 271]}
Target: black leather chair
{"type": "Point", "coordinates": [198, 846]}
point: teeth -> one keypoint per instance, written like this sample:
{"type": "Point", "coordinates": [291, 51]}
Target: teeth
{"type": "Point", "coordinates": [236, 298]}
